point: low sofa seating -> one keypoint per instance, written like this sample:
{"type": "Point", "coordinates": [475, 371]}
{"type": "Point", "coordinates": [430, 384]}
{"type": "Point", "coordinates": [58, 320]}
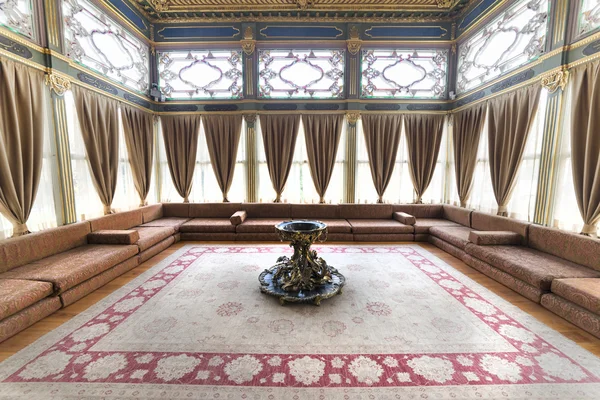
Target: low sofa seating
{"type": "Point", "coordinates": [42, 272]}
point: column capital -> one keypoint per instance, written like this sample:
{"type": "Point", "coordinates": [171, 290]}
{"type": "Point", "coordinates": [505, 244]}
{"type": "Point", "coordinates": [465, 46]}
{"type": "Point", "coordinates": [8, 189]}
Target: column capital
{"type": "Point", "coordinates": [353, 117]}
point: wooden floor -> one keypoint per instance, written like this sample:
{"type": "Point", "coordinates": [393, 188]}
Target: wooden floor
{"type": "Point", "coordinates": [28, 336]}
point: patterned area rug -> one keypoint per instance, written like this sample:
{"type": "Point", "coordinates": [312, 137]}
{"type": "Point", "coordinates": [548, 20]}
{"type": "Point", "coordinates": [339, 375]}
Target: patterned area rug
{"type": "Point", "coordinates": [407, 326]}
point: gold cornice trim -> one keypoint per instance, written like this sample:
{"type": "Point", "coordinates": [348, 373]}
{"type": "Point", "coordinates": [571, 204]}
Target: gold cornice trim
{"type": "Point", "coordinates": [103, 93]}
{"type": "Point", "coordinates": [14, 57]}
{"type": "Point", "coordinates": [583, 60]}
{"type": "Point", "coordinates": [412, 37]}
{"type": "Point", "coordinates": [207, 37]}
{"type": "Point", "coordinates": [584, 41]}
{"type": "Point", "coordinates": [20, 39]}
{"type": "Point", "coordinates": [341, 32]}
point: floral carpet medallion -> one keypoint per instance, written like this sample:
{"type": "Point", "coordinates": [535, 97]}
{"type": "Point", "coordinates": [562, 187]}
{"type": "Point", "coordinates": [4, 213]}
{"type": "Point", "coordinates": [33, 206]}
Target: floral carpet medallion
{"type": "Point", "coordinates": [407, 326]}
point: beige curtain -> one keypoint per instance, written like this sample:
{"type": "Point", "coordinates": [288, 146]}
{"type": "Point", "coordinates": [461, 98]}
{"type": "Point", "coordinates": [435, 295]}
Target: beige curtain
{"type": "Point", "coordinates": [322, 134]}
{"type": "Point", "coordinates": [98, 119]}
{"type": "Point", "coordinates": [138, 128]}
{"type": "Point", "coordinates": [510, 120]}
{"type": "Point", "coordinates": [279, 134]}
{"type": "Point", "coordinates": [382, 137]}
{"type": "Point", "coordinates": [423, 139]}
{"type": "Point", "coordinates": [21, 141]}
{"type": "Point", "coordinates": [180, 134]}
{"type": "Point", "coordinates": [585, 143]}
{"type": "Point", "coordinates": [466, 132]}
{"type": "Point", "coordinates": [223, 137]}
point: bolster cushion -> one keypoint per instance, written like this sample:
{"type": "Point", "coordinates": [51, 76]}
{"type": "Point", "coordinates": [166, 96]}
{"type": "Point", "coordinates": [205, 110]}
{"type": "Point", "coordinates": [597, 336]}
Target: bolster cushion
{"type": "Point", "coordinates": [238, 217]}
{"type": "Point", "coordinates": [495, 238]}
{"type": "Point", "coordinates": [113, 237]}
{"type": "Point", "coordinates": [405, 218]}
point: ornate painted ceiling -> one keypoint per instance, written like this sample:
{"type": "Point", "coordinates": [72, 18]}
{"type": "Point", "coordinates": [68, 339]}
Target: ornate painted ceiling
{"type": "Point", "coordinates": [162, 10]}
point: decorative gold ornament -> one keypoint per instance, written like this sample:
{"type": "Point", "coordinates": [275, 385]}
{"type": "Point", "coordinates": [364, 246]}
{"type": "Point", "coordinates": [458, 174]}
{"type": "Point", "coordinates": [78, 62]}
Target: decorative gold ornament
{"type": "Point", "coordinates": [352, 117]}
{"type": "Point", "coordinates": [556, 80]}
{"type": "Point", "coordinates": [445, 3]}
{"type": "Point", "coordinates": [250, 118]}
{"type": "Point", "coordinates": [161, 5]}
{"type": "Point", "coordinates": [354, 43]}
{"type": "Point", "coordinates": [248, 43]}
{"type": "Point", "coordinates": [59, 83]}
{"type": "Point", "coordinates": [303, 4]}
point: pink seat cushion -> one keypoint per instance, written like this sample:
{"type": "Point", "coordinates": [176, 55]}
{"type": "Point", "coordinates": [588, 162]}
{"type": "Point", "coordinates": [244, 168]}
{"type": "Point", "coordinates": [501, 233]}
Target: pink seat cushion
{"type": "Point", "coordinates": [377, 226]}
{"type": "Point", "coordinates": [16, 295]}
{"type": "Point", "coordinates": [585, 292]}
{"type": "Point", "coordinates": [149, 236]}
{"type": "Point", "coordinates": [258, 225]}
{"type": "Point", "coordinates": [423, 224]}
{"type": "Point", "coordinates": [208, 225]}
{"type": "Point", "coordinates": [457, 236]}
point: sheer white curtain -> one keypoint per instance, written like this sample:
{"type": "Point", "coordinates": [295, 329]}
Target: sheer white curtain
{"type": "Point", "coordinates": [451, 189]}
{"type": "Point", "coordinates": [126, 197]}
{"type": "Point", "coordinates": [400, 189]}
{"type": "Point", "coordinates": [47, 210]}
{"type": "Point", "coordinates": [482, 195]}
{"type": "Point", "coordinates": [436, 192]}
{"type": "Point", "coordinates": [205, 187]}
{"type": "Point", "coordinates": [522, 202]}
{"type": "Point", "coordinates": [566, 214]}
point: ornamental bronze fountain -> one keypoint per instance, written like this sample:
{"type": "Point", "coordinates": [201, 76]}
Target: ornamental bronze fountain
{"type": "Point", "coordinates": [304, 277]}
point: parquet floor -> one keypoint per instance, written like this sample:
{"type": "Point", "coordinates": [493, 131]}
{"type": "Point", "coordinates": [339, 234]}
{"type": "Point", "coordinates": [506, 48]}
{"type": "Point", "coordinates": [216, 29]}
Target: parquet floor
{"type": "Point", "coordinates": [28, 336]}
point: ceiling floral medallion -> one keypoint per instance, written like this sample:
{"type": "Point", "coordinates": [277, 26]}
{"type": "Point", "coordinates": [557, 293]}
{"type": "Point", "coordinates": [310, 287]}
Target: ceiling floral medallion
{"type": "Point", "coordinates": [404, 73]}
{"type": "Point", "coordinates": [200, 74]}
{"type": "Point", "coordinates": [511, 40]}
{"type": "Point", "coordinates": [301, 73]}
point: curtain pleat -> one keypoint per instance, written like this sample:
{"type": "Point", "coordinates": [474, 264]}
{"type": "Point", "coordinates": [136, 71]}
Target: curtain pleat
{"type": "Point", "coordinates": [467, 128]}
{"type": "Point", "coordinates": [138, 129]}
{"type": "Point", "coordinates": [21, 141]}
{"type": "Point", "coordinates": [382, 137]}
{"type": "Point", "coordinates": [98, 119]}
{"type": "Point", "coordinates": [222, 138]}
{"type": "Point", "coordinates": [423, 139]}
{"type": "Point", "coordinates": [279, 134]}
{"type": "Point", "coordinates": [180, 135]}
{"type": "Point", "coordinates": [585, 143]}
{"type": "Point", "coordinates": [510, 119]}
{"type": "Point", "coordinates": [322, 134]}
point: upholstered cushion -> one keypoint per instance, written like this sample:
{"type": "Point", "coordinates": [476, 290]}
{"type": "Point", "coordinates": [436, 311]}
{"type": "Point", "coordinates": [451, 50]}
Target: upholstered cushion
{"type": "Point", "coordinates": [570, 246]}
{"type": "Point", "coordinates": [208, 225]}
{"type": "Point", "coordinates": [492, 238]}
{"type": "Point", "coordinates": [379, 226]}
{"type": "Point", "coordinates": [113, 237]}
{"type": "Point", "coordinates": [171, 222]}
{"type": "Point", "coordinates": [16, 295]}
{"type": "Point", "coordinates": [151, 235]}
{"type": "Point", "coordinates": [573, 313]}
{"type": "Point", "coordinates": [366, 211]}
{"type": "Point", "coordinates": [532, 266]}
{"type": "Point", "coordinates": [584, 292]}
{"type": "Point", "coordinates": [35, 246]}
{"type": "Point", "coordinates": [459, 215]}
{"type": "Point", "coordinates": [337, 225]}
{"type": "Point", "coordinates": [72, 267]}
{"type": "Point", "coordinates": [122, 220]}
{"type": "Point", "coordinates": [267, 210]}
{"type": "Point", "coordinates": [486, 222]}
{"type": "Point", "coordinates": [404, 218]}
{"type": "Point", "coordinates": [152, 212]}
{"type": "Point", "coordinates": [213, 210]}
{"type": "Point", "coordinates": [423, 224]}
{"type": "Point", "coordinates": [258, 225]}
{"type": "Point", "coordinates": [180, 210]}
{"type": "Point", "coordinates": [238, 217]}
{"type": "Point", "coordinates": [420, 210]}
{"type": "Point", "coordinates": [27, 317]}
{"type": "Point", "coordinates": [455, 235]}
{"type": "Point", "coordinates": [315, 211]}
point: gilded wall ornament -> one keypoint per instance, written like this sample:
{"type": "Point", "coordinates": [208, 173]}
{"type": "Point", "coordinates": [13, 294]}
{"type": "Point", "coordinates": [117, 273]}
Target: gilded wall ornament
{"type": "Point", "coordinates": [161, 5]}
{"type": "Point", "coordinates": [58, 83]}
{"type": "Point", "coordinates": [250, 118]}
{"type": "Point", "coordinates": [352, 117]}
{"type": "Point", "coordinates": [354, 43]}
{"type": "Point", "coordinates": [248, 43]}
{"type": "Point", "coordinates": [445, 3]}
{"type": "Point", "coordinates": [555, 80]}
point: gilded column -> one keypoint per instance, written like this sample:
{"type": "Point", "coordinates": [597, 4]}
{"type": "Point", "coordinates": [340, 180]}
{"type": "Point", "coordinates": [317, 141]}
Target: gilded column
{"type": "Point", "coordinates": [353, 43]}
{"type": "Point", "coordinates": [52, 20]}
{"type": "Point", "coordinates": [555, 84]}
{"type": "Point", "coordinates": [251, 159]}
{"type": "Point", "coordinates": [350, 172]}
{"type": "Point", "coordinates": [59, 85]}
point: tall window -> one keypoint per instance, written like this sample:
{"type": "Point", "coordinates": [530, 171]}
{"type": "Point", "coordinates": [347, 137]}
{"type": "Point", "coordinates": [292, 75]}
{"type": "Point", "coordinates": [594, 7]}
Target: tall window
{"type": "Point", "coordinates": [589, 17]}
{"type": "Point", "coordinates": [87, 201]}
{"type": "Point", "coordinates": [46, 211]}
{"type": "Point", "coordinates": [205, 187]}
{"type": "Point", "coordinates": [301, 74]}
{"type": "Point", "coordinates": [511, 40]}
{"type": "Point", "coordinates": [99, 43]}
{"type": "Point", "coordinates": [400, 189]}
{"type": "Point", "coordinates": [482, 194]}
{"type": "Point", "coordinates": [404, 73]}
{"type": "Point", "coordinates": [201, 74]}
{"type": "Point", "coordinates": [566, 210]}
{"type": "Point", "coordinates": [18, 16]}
